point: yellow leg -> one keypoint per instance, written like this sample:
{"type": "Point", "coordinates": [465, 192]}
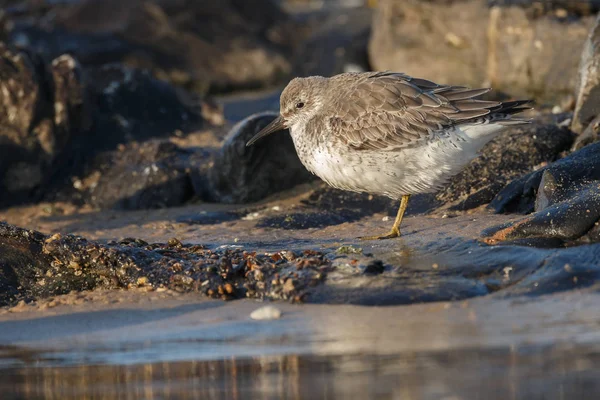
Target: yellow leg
{"type": "Point", "coordinates": [395, 231]}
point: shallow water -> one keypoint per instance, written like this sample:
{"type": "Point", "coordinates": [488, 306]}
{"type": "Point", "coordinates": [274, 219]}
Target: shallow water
{"type": "Point", "coordinates": [503, 373]}
{"type": "Point", "coordinates": [185, 347]}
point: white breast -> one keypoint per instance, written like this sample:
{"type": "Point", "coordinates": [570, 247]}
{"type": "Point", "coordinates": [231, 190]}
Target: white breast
{"type": "Point", "coordinates": [414, 170]}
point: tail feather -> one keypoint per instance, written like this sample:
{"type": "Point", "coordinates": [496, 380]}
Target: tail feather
{"type": "Point", "coordinates": [503, 115]}
{"type": "Point", "coordinates": [486, 127]}
{"type": "Point", "coordinates": [510, 107]}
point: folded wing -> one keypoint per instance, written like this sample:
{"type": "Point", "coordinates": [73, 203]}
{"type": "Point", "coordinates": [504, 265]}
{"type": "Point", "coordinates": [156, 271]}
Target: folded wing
{"type": "Point", "coordinates": [389, 111]}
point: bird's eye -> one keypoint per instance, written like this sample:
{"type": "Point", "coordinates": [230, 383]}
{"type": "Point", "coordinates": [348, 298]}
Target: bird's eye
{"type": "Point", "coordinates": [299, 105]}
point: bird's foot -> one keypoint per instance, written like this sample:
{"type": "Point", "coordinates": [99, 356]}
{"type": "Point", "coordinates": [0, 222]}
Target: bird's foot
{"type": "Point", "coordinates": [394, 233]}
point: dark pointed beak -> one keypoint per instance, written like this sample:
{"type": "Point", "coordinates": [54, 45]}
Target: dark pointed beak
{"type": "Point", "coordinates": [277, 125]}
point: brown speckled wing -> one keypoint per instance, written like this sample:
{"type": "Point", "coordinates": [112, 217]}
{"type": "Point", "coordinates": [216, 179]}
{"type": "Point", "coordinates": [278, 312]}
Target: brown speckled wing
{"type": "Point", "coordinates": [389, 111]}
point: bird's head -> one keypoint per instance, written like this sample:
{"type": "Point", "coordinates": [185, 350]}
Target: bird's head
{"type": "Point", "coordinates": [299, 101]}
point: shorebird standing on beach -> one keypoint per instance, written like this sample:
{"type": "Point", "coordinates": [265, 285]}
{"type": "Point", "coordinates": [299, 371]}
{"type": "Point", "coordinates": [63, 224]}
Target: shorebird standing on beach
{"type": "Point", "coordinates": [387, 133]}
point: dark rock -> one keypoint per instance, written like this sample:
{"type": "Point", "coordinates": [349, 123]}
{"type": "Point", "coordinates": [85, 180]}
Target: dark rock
{"type": "Point", "coordinates": [571, 174]}
{"type": "Point", "coordinates": [244, 174]}
{"type": "Point", "coordinates": [510, 155]}
{"type": "Point", "coordinates": [200, 45]}
{"type": "Point", "coordinates": [463, 269]}
{"type": "Point", "coordinates": [564, 195]}
{"type": "Point", "coordinates": [149, 175]}
{"type": "Point", "coordinates": [28, 271]}
{"type": "Point", "coordinates": [587, 105]}
{"type": "Point", "coordinates": [575, 268]}
{"type": "Point", "coordinates": [509, 48]}
{"type": "Point", "coordinates": [41, 109]}
{"type": "Point", "coordinates": [566, 220]}
{"type": "Point", "coordinates": [57, 118]}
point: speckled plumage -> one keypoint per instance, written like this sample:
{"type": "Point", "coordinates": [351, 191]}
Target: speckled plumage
{"type": "Point", "coordinates": [388, 133]}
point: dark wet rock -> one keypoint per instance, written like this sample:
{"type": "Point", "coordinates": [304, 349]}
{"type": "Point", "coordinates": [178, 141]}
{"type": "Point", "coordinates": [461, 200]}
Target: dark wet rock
{"type": "Point", "coordinates": [41, 108]}
{"type": "Point", "coordinates": [200, 45]}
{"type": "Point", "coordinates": [310, 219]}
{"type": "Point", "coordinates": [243, 174]}
{"type": "Point", "coordinates": [567, 220]}
{"type": "Point", "coordinates": [153, 174]}
{"type": "Point", "coordinates": [589, 135]}
{"type": "Point", "coordinates": [512, 49]}
{"type": "Point", "coordinates": [33, 266]}
{"type": "Point", "coordinates": [565, 198]}
{"type": "Point", "coordinates": [562, 179]}
{"type": "Point", "coordinates": [338, 43]}
{"type": "Point", "coordinates": [587, 105]}
{"type": "Point", "coordinates": [510, 155]}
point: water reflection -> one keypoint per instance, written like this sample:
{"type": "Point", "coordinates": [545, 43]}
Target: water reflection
{"type": "Point", "coordinates": [508, 373]}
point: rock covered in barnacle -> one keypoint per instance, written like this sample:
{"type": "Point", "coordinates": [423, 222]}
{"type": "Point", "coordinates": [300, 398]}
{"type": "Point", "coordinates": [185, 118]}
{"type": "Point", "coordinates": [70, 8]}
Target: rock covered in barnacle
{"type": "Point", "coordinates": [33, 266]}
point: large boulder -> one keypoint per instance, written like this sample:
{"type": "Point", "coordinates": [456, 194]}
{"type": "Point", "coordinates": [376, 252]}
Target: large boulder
{"type": "Point", "coordinates": [41, 107]}
{"type": "Point", "coordinates": [511, 48]}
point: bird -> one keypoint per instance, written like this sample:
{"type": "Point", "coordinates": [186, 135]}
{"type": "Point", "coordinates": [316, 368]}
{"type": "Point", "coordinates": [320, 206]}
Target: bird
{"type": "Point", "coordinates": [387, 133]}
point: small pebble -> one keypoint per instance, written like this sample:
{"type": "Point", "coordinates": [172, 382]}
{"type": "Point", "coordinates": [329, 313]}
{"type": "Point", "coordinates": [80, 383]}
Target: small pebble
{"type": "Point", "coordinates": [266, 313]}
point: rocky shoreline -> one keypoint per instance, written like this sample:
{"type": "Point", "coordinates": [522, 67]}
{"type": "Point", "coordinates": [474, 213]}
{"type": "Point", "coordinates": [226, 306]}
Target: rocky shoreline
{"type": "Point", "coordinates": [110, 121]}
